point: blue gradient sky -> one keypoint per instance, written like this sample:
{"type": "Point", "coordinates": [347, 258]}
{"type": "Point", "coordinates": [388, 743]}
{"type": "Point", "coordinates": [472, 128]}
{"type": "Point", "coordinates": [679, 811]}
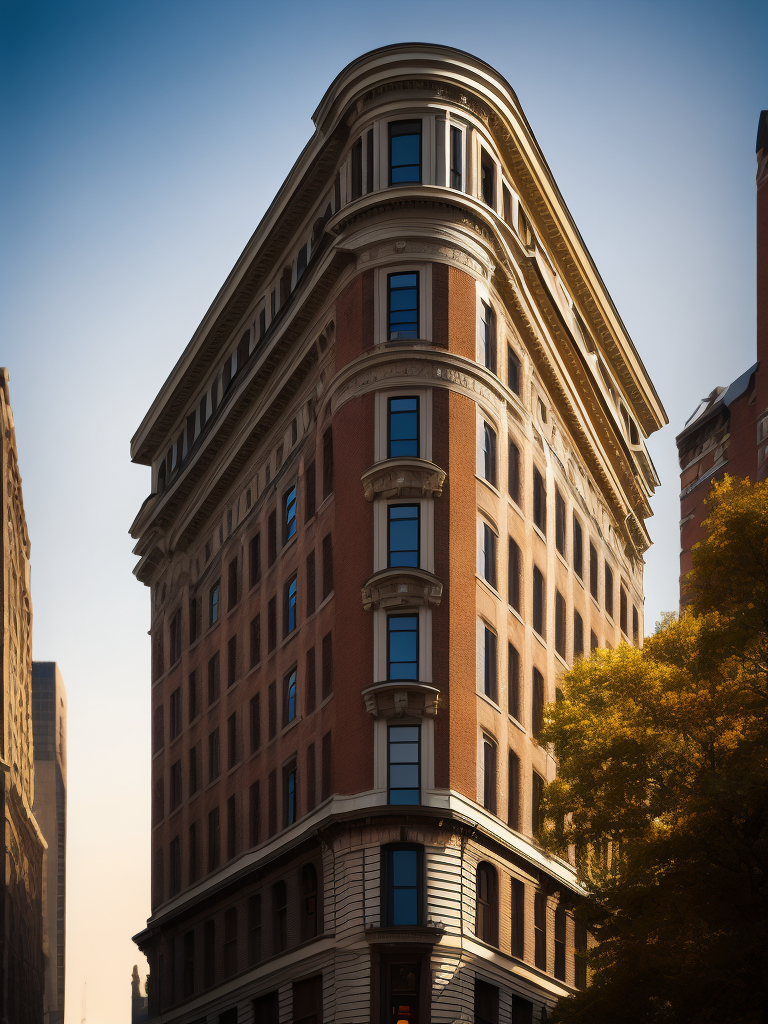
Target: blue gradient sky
{"type": "Point", "coordinates": [140, 144]}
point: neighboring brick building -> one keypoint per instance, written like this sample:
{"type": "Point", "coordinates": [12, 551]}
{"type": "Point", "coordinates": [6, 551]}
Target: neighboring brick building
{"type": "Point", "coordinates": [399, 483]}
{"type": "Point", "coordinates": [21, 887]}
{"type": "Point", "coordinates": [49, 718]}
{"type": "Point", "coordinates": [728, 432]}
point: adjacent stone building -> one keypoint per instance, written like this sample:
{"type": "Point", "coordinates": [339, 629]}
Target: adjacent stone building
{"type": "Point", "coordinates": [728, 431]}
{"type": "Point", "coordinates": [49, 717]}
{"type": "Point", "coordinates": [21, 907]}
{"type": "Point", "coordinates": [399, 483]}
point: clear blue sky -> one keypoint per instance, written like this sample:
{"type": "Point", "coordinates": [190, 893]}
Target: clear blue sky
{"type": "Point", "coordinates": [140, 144]}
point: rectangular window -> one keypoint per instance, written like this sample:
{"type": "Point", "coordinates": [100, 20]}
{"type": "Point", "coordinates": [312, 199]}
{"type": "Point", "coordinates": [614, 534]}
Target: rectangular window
{"type": "Point", "coordinates": [623, 611]}
{"type": "Point", "coordinates": [593, 570]}
{"type": "Point", "coordinates": [175, 723]}
{"type": "Point", "coordinates": [403, 647]}
{"type": "Point", "coordinates": [254, 560]}
{"type": "Point", "coordinates": [213, 603]}
{"type": "Point", "coordinates": [402, 306]}
{"type": "Point", "coordinates": [560, 624]}
{"type": "Point", "coordinates": [513, 682]}
{"type": "Point", "coordinates": [174, 856]}
{"type": "Point", "coordinates": [489, 775]}
{"type": "Point", "coordinates": [488, 555]}
{"type": "Point", "coordinates": [214, 849]}
{"type": "Point", "coordinates": [356, 169]}
{"type": "Point", "coordinates": [538, 601]}
{"type": "Point", "coordinates": [513, 575]}
{"type": "Point", "coordinates": [231, 828]}
{"type": "Point", "coordinates": [232, 661]}
{"type": "Point", "coordinates": [404, 152]}
{"type": "Point", "coordinates": [486, 1003]}
{"type": "Point", "coordinates": [289, 698]}
{"type": "Point", "coordinates": [540, 930]}
{"type": "Point", "coordinates": [175, 785]}
{"type": "Point", "coordinates": [311, 780]}
{"type": "Point", "coordinates": [254, 716]}
{"type": "Point", "coordinates": [593, 641]}
{"type": "Point", "coordinates": [487, 460]}
{"type": "Point", "coordinates": [537, 791]}
{"type": "Point", "coordinates": [289, 794]}
{"type": "Point", "coordinates": [272, 537]}
{"type": "Point", "coordinates": [578, 635]}
{"type": "Point", "coordinates": [230, 942]}
{"type": "Point", "coordinates": [310, 495]}
{"type": "Point", "coordinates": [402, 427]}
{"type": "Point", "coordinates": [327, 565]}
{"type": "Point", "coordinates": [310, 685]}
{"type": "Point", "coordinates": [579, 957]}
{"type": "Point", "coordinates": [326, 777]}
{"type": "Point", "coordinates": [254, 931]}
{"type": "Point", "coordinates": [560, 943]}
{"type": "Point", "coordinates": [194, 781]}
{"type": "Point", "coordinates": [513, 371]}
{"type": "Point", "coordinates": [635, 626]}
{"type": "Point", "coordinates": [262, 322]}
{"type": "Point", "coordinates": [193, 853]}
{"type": "Point", "coordinates": [193, 697]}
{"type": "Point", "coordinates": [487, 179]}
{"type": "Point", "coordinates": [513, 472]}
{"type": "Point", "coordinates": [289, 606]}
{"type": "Point", "coordinates": [456, 158]}
{"type": "Point", "coordinates": [514, 791]}
{"type": "Point", "coordinates": [490, 664]}
{"type": "Point", "coordinates": [271, 624]}
{"type": "Point", "coordinates": [310, 584]}
{"type": "Point", "coordinates": [608, 590]}
{"type": "Point", "coordinates": [158, 729]}
{"type": "Point", "coordinates": [272, 709]}
{"type": "Point", "coordinates": [175, 636]}
{"type": "Point", "coordinates": [369, 160]}
{"type": "Point", "coordinates": [537, 703]}
{"type": "Point", "coordinates": [254, 805]}
{"type": "Point", "coordinates": [327, 462]}
{"type": "Point", "coordinates": [279, 917]}
{"type": "Point", "coordinates": [518, 918]}
{"type": "Point", "coordinates": [289, 518]}
{"type": "Point", "coordinates": [327, 667]}
{"type": "Point", "coordinates": [559, 522]}
{"type": "Point", "coordinates": [255, 639]}
{"type": "Point", "coordinates": [403, 885]}
{"type": "Point", "coordinates": [488, 337]}
{"type": "Point", "coordinates": [194, 606]}
{"type": "Point", "coordinates": [232, 757]}
{"type": "Point", "coordinates": [213, 678]}
{"type": "Point", "coordinates": [578, 548]}
{"type": "Point", "coordinates": [403, 535]}
{"type": "Point", "coordinates": [539, 501]}
{"type": "Point", "coordinates": [404, 760]}
{"type": "Point", "coordinates": [232, 584]}
{"type": "Point", "coordinates": [213, 755]}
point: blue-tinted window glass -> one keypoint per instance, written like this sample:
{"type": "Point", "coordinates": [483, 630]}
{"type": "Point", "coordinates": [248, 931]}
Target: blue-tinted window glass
{"type": "Point", "coordinates": [403, 647]}
{"type": "Point", "coordinates": [214, 604]}
{"type": "Point", "coordinates": [291, 618]}
{"type": "Point", "coordinates": [290, 513]}
{"type": "Point", "coordinates": [404, 152]}
{"type": "Point", "coordinates": [403, 879]}
{"type": "Point", "coordinates": [403, 535]}
{"type": "Point", "coordinates": [291, 696]}
{"type": "Point", "coordinates": [404, 774]}
{"type": "Point", "coordinates": [402, 306]}
{"type": "Point", "coordinates": [291, 798]}
{"type": "Point", "coordinates": [403, 427]}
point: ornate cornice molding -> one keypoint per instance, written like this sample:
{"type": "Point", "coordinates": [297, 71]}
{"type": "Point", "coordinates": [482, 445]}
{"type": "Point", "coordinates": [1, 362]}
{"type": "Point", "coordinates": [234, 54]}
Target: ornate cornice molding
{"type": "Point", "coordinates": [397, 699]}
{"type": "Point", "coordinates": [403, 478]}
{"type": "Point", "coordinates": [402, 588]}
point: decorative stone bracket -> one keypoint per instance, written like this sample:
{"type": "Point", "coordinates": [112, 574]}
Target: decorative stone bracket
{"type": "Point", "coordinates": [403, 478]}
{"type": "Point", "coordinates": [400, 697]}
{"type": "Point", "coordinates": [390, 588]}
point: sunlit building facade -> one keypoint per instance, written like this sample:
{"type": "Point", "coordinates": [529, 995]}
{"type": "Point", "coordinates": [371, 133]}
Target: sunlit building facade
{"type": "Point", "coordinates": [399, 483]}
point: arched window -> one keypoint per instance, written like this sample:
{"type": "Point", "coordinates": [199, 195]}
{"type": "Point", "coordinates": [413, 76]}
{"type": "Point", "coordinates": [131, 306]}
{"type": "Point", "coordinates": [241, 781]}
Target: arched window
{"type": "Point", "coordinates": [487, 904]}
{"type": "Point", "coordinates": [309, 901]}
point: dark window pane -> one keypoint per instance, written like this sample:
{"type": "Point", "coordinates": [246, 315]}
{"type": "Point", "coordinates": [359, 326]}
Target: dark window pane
{"type": "Point", "coordinates": [404, 152]}
{"type": "Point", "coordinates": [402, 647]}
{"type": "Point", "coordinates": [402, 306]}
{"type": "Point", "coordinates": [403, 534]}
{"type": "Point", "coordinates": [403, 427]}
{"type": "Point", "coordinates": [456, 158]}
{"type": "Point", "coordinates": [403, 756]}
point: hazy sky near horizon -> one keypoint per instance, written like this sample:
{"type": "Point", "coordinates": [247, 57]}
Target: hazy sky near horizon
{"type": "Point", "coordinates": [140, 144]}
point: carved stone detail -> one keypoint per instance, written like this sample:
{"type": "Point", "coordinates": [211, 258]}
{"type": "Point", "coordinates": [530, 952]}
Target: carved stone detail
{"type": "Point", "coordinates": [391, 588]}
{"type": "Point", "coordinates": [396, 699]}
{"type": "Point", "coordinates": [403, 478]}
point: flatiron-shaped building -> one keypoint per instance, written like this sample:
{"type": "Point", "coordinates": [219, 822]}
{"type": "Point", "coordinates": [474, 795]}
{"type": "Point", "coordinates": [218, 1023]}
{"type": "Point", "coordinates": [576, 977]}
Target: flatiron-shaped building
{"type": "Point", "coordinates": [399, 482]}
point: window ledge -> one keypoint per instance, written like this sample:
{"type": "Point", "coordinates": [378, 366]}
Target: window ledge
{"type": "Point", "coordinates": [563, 662]}
{"type": "Point", "coordinates": [487, 483]}
{"type": "Point", "coordinates": [518, 724]}
{"type": "Point", "coordinates": [516, 614]}
{"type": "Point", "coordinates": [488, 700]}
{"type": "Point", "coordinates": [488, 586]}
{"type": "Point", "coordinates": [515, 506]}
{"type": "Point", "coordinates": [540, 638]}
{"type": "Point", "coordinates": [561, 558]}
{"type": "Point", "coordinates": [402, 586]}
{"type": "Point", "coordinates": [539, 532]}
{"type": "Point", "coordinates": [403, 478]}
{"type": "Point", "coordinates": [406, 933]}
{"type": "Point", "coordinates": [398, 697]}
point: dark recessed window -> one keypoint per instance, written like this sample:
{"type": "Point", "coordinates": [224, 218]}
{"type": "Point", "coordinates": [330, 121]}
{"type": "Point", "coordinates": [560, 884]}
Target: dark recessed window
{"type": "Point", "coordinates": [488, 337]}
{"type": "Point", "coordinates": [593, 583]}
{"type": "Point", "coordinates": [271, 535]}
{"type": "Point", "coordinates": [537, 703]}
{"type": "Point", "coordinates": [403, 884]}
{"type": "Point", "coordinates": [403, 760]}
{"type": "Point", "coordinates": [513, 682]}
{"type": "Point", "coordinates": [279, 917]}
{"type": "Point", "coordinates": [487, 904]}
{"type": "Point", "coordinates": [290, 606]}
{"type": "Point", "coordinates": [289, 698]}
{"type": "Point", "coordinates": [310, 492]}
{"type": "Point", "coordinates": [309, 892]}
{"type": "Point", "coordinates": [514, 794]}
{"type": "Point", "coordinates": [490, 664]}
{"type": "Point", "coordinates": [578, 548]}
{"type": "Point", "coordinates": [513, 474]}
{"type": "Point", "coordinates": [289, 524]}
{"type": "Point", "coordinates": [404, 152]}
{"type": "Point", "coordinates": [403, 536]}
{"type": "Point", "coordinates": [402, 306]}
{"type": "Point", "coordinates": [518, 917]}
{"type": "Point", "coordinates": [232, 751]}
{"type": "Point", "coordinates": [327, 462]}
{"type": "Point", "coordinates": [488, 454]}
{"type": "Point", "coordinates": [189, 964]}
{"type": "Point", "coordinates": [486, 1003]}
{"type": "Point", "coordinates": [608, 590]}
{"type": "Point", "coordinates": [506, 199]}
{"type": "Point", "coordinates": [213, 755]}
{"type": "Point", "coordinates": [456, 158]}
{"type": "Point", "coordinates": [560, 624]}
{"type": "Point", "coordinates": [213, 603]}
{"type": "Point", "coordinates": [623, 611]}
{"type": "Point", "coordinates": [579, 954]}
{"type": "Point", "coordinates": [540, 930]}
{"type": "Point", "coordinates": [539, 501]}
{"type": "Point", "coordinates": [513, 371]}
{"type": "Point", "coordinates": [487, 559]}
{"type": "Point", "coordinates": [513, 575]}
{"type": "Point", "coordinates": [357, 169]}
{"type": "Point", "coordinates": [489, 775]}
{"type": "Point", "coordinates": [487, 179]}
{"type": "Point", "coordinates": [537, 792]}
{"type": "Point", "coordinates": [289, 790]}
{"type": "Point", "coordinates": [635, 626]}
{"type": "Point", "coordinates": [254, 559]}
{"type": "Point", "coordinates": [403, 428]}
{"type": "Point", "coordinates": [230, 942]}
{"type": "Point", "coordinates": [254, 930]}
{"type": "Point", "coordinates": [578, 635]}
{"type": "Point", "coordinates": [403, 647]}
{"type": "Point", "coordinates": [560, 943]}
{"type": "Point", "coordinates": [538, 601]}
{"type": "Point", "coordinates": [593, 641]}
{"type": "Point", "coordinates": [559, 522]}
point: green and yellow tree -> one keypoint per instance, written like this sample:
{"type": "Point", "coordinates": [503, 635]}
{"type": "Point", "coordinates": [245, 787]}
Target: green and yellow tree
{"type": "Point", "coordinates": [663, 757]}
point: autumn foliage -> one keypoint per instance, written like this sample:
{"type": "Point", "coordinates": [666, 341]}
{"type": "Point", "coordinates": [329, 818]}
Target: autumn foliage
{"type": "Point", "coordinates": [662, 791]}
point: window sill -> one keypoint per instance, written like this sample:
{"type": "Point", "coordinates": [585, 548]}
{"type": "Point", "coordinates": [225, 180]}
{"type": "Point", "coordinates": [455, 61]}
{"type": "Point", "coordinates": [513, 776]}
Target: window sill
{"type": "Point", "coordinates": [516, 614]}
{"type": "Point", "coordinates": [563, 662]}
{"type": "Point", "coordinates": [489, 700]}
{"type": "Point", "coordinates": [287, 639]}
{"type": "Point", "coordinates": [405, 933]}
{"type": "Point", "coordinates": [288, 544]}
{"type": "Point", "coordinates": [540, 638]}
{"type": "Point", "coordinates": [518, 725]}
{"type": "Point", "coordinates": [210, 785]}
{"type": "Point", "coordinates": [561, 558]}
{"type": "Point", "coordinates": [511, 501]}
{"type": "Point", "coordinates": [488, 586]}
{"type": "Point", "coordinates": [287, 728]}
{"type": "Point", "coordinates": [594, 601]}
{"type": "Point", "coordinates": [487, 483]}
{"type": "Point", "coordinates": [578, 579]}
{"type": "Point", "coordinates": [538, 531]}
